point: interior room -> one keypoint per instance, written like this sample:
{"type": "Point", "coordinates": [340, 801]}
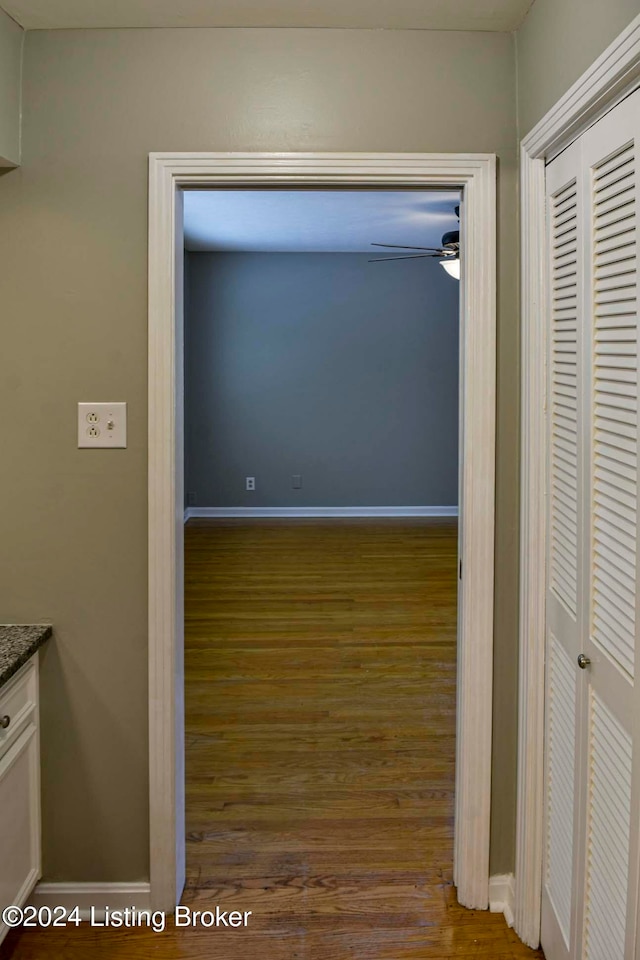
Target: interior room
{"type": "Point", "coordinates": [320, 368]}
{"type": "Point", "coordinates": [321, 479]}
{"type": "Point", "coordinates": [161, 759]}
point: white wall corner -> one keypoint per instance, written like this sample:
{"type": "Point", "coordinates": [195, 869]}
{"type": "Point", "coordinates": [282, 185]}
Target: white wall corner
{"type": "Point", "coordinates": [502, 895]}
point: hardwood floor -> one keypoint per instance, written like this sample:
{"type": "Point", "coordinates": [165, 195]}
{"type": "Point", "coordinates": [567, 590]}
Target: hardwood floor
{"type": "Point", "coordinates": [320, 699]}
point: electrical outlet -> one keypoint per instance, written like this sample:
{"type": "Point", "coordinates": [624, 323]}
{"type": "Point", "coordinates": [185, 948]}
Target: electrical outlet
{"type": "Point", "coordinates": [192, 498]}
{"type": "Point", "coordinates": [297, 481]}
{"type": "Point", "coordinates": [251, 483]}
{"type": "Point", "coordinates": [102, 425]}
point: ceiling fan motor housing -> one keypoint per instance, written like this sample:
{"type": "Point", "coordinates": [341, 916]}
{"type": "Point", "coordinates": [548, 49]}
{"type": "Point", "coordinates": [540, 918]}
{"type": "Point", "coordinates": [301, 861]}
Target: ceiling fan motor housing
{"type": "Point", "coordinates": [450, 238]}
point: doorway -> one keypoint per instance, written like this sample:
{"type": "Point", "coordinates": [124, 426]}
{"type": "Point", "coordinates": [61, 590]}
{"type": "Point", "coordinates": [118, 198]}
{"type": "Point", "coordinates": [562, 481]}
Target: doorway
{"type": "Point", "coordinates": [475, 177]}
{"type": "Point", "coordinates": [321, 384]}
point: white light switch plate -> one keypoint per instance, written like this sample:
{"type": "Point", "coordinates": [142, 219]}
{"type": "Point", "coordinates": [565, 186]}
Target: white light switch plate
{"type": "Point", "coordinates": [102, 424]}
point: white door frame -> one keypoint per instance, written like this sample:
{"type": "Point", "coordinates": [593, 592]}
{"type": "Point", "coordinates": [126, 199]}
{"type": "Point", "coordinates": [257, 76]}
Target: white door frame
{"type": "Point", "coordinates": [613, 75]}
{"type": "Point", "coordinates": [476, 175]}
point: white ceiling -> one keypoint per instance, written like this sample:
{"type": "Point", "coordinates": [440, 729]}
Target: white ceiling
{"type": "Point", "coordinates": [316, 221]}
{"type": "Point", "coordinates": [362, 14]}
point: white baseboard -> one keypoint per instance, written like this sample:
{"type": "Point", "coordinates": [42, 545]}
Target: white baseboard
{"type": "Point", "coordinates": [115, 896]}
{"type": "Point", "coordinates": [502, 894]}
{"type": "Point", "coordinates": [320, 512]}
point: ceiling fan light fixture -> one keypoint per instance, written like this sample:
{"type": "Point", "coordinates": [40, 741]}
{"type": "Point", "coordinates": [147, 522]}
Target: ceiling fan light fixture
{"type": "Point", "coordinates": [452, 266]}
{"type": "Point", "coordinates": [449, 251]}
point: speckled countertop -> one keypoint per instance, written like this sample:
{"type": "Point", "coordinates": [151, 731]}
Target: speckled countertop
{"type": "Point", "coordinates": [18, 642]}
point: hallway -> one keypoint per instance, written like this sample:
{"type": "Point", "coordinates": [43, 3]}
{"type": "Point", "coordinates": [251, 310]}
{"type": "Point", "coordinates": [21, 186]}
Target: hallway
{"type": "Point", "coordinates": [320, 692]}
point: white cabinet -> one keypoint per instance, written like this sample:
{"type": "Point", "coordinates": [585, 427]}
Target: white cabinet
{"type": "Point", "coordinates": [19, 787]}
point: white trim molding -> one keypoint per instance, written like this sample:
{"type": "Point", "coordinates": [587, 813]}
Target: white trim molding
{"type": "Point", "coordinates": [613, 75]}
{"type": "Point", "coordinates": [329, 512]}
{"type": "Point", "coordinates": [502, 895]}
{"type": "Point", "coordinates": [92, 896]}
{"type": "Point", "coordinates": [475, 174]}
{"type": "Point", "coordinates": [528, 866]}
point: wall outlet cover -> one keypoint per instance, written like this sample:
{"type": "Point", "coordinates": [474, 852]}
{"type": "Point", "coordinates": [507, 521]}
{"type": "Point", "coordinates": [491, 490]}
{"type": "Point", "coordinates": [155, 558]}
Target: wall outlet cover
{"type": "Point", "coordinates": [102, 425]}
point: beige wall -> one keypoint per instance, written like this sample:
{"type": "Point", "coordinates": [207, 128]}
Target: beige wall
{"type": "Point", "coordinates": [11, 38]}
{"type": "Point", "coordinates": [557, 42]}
{"type": "Point", "coordinates": [73, 276]}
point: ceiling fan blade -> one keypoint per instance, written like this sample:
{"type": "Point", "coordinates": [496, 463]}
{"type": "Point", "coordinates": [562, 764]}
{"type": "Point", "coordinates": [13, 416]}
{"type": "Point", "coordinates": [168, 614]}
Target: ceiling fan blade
{"type": "Point", "coordinates": [411, 256]}
{"type": "Point", "coordinates": [401, 246]}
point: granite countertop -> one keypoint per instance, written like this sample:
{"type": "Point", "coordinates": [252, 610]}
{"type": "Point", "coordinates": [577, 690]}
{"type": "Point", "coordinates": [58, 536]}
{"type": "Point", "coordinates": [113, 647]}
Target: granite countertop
{"type": "Point", "coordinates": [18, 642]}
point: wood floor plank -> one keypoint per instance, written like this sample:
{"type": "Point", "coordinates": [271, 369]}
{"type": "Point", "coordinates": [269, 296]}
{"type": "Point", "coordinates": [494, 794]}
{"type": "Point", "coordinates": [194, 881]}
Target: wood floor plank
{"type": "Point", "coordinates": [320, 681]}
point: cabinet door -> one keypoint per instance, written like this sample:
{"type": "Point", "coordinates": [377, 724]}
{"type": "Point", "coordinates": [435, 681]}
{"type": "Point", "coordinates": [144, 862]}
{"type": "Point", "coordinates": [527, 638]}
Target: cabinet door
{"type": "Point", "coordinates": [19, 822]}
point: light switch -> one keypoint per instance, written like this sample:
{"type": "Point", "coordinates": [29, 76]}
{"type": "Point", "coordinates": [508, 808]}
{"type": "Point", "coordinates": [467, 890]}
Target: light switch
{"type": "Point", "coordinates": [102, 424]}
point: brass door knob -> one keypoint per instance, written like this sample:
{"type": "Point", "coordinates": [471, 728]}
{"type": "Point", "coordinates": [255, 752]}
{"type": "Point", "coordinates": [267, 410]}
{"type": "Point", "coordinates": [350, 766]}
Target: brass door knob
{"type": "Point", "coordinates": [583, 661]}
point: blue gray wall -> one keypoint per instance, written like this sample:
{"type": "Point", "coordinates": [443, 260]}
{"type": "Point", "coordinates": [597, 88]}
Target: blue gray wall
{"type": "Point", "coordinates": [323, 365]}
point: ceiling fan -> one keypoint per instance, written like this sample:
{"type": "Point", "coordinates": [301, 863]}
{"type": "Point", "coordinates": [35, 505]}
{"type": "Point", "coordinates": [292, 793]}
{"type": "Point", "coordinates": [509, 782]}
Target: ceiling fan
{"type": "Point", "coordinates": [449, 252]}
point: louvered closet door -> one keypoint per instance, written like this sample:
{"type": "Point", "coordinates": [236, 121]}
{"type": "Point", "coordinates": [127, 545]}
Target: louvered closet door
{"type": "Point", "coordinates": [610, 720]}
{"type": "Point", "coordinates": [590, 887]}
{"type": "Point", "coordinates": [565, 539]}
